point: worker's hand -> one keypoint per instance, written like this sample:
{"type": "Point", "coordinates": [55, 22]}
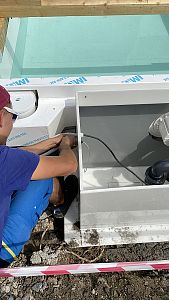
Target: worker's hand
{"type": "Point", "coordinates": [68, 141]}
{"type": "Point", "coordinates": [44, 146]}
{"type": "Point", "coordinates": [50, 143]}
{"type": "Point", "coordinates": [47, 145]}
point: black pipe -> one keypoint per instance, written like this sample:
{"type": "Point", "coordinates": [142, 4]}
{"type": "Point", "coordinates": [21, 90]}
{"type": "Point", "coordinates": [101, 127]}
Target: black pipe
{"type": "Point", "coordinates": [157, 173]}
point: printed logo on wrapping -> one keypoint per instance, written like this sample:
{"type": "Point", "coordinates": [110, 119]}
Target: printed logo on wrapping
{"type": "Point", "coordinates": [66, 80]}
{"type": "Point", "coordinates": [166, 79]}
{"type": "Point", "coordinates": [37, 140]}
{"type": "Point", "coordinates": [80, 80]}
{"type": "Point", "coordinates": [16, 136]}
{"type": "Point", "coordinates": [135, 79]}
{"type": "Point", "coordinates": [58, 80]}
{"type": "Point", "coordinates": [19, 82]}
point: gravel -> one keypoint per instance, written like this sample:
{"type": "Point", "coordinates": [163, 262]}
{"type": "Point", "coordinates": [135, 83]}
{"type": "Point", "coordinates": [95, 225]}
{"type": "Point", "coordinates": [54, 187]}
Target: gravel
{"type": "Point", "coordinates": [113, 286]}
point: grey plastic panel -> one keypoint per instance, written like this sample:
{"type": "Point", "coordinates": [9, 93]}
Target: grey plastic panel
{"type": "Point", "coordinates": [125, 130]}
{"type": "Point", "coordinates": [125, 207]}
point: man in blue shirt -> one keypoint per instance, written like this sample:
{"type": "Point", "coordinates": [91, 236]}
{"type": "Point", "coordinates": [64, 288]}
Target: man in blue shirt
{"type": "Point", "coordinates": [28, 182]}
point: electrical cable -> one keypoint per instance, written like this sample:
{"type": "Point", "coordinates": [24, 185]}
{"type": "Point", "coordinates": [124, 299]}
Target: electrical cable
{"type": "Point", "coordinates": [87, 146]}
{"type": "Point", "coordinates": [98, 139]}
{"type": "Point", "coordinates": [121, 164]}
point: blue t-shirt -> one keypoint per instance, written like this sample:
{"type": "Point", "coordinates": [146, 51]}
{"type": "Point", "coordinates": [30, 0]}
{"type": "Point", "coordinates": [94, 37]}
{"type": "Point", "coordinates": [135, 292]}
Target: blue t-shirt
{"type": "Point", "coordinates": [16, 169]}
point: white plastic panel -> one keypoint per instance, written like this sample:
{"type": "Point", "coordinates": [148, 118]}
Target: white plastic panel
{"type": "Point", "coordinates": [45, 122]}
{"type": "Point", "coordinates": [123, 97]}
{"type": "Point", "coordinates": [24, 103]}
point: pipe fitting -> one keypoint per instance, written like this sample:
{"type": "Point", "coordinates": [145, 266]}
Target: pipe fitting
{"type": "Point", "coordinates": [158, 173]}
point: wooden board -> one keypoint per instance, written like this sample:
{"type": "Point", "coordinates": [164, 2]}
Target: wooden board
{"type": "Point", "coordinates": [24, 8]}
{"type": "Point", "coordinates": [3, 31]}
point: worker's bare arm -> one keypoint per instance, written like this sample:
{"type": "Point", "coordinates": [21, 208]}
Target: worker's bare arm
{"type": "Point", "coordinates": [62, 165]}
{"type": "Point", "coordinates": [44, 146]}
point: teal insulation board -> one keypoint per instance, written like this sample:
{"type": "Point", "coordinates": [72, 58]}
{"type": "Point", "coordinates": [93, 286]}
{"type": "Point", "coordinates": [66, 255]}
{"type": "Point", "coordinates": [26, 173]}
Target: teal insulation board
{"type": "Point", "coordinates": [110, 45]}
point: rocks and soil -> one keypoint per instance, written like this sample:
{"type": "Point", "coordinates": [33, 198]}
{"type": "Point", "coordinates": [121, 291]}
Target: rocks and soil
{"type": "Point", "coordinates": [44, 248]}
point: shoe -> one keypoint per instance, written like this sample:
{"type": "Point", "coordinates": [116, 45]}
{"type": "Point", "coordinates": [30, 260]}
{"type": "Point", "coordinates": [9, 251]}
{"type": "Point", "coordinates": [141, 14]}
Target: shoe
{"type": "Point", "coordinates": [70, 191]}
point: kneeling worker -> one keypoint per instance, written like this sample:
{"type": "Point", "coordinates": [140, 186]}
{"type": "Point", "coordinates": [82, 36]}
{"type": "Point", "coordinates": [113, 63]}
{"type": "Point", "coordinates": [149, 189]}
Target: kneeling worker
{"type": "Point", "coordinates": [28, 182]}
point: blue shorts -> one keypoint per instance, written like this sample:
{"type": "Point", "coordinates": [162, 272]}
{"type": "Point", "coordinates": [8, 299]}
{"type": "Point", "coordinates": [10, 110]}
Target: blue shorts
{"type": "Point", "coordinates": [25, 210]}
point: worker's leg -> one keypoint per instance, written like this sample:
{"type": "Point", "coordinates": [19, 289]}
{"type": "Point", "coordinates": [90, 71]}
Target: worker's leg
{"type": "Point", "coordinates": [57, 197]}
{"type": "Point", "coordinates": [25, 210]}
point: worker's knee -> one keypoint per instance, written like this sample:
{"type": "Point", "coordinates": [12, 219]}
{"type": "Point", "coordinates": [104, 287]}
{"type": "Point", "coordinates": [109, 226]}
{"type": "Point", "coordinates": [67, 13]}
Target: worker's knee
{"type": "Point", "coordinates": [15, 234]}
{"type": "Point", "coordinates": [25, 210]}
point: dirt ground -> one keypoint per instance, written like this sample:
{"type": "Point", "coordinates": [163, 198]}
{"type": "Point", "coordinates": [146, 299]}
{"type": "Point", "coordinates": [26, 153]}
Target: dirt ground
{"type": "Point", "coordinates": [46, 249]}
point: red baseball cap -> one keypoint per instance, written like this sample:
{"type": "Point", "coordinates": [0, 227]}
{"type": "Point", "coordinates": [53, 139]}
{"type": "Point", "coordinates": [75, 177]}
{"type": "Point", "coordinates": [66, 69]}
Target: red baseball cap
{"type": "Point", "coordinates": [4, 97]}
